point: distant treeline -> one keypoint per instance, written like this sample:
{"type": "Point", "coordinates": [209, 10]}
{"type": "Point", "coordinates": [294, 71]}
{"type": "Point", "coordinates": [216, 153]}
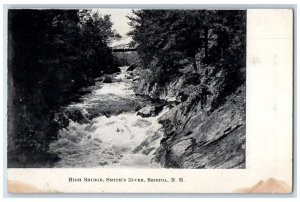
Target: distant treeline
{"type": "Point", "coordinates": [126, 58]}
{"type": "Point", "coordinates": [51, 55]}
{"type": "Point", "coordinates": [170, 40]}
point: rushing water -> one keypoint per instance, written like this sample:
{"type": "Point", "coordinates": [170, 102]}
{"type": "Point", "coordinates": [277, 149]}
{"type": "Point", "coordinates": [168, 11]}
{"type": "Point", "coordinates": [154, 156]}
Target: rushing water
{"type": "Point", "coordinates": [123, 140]}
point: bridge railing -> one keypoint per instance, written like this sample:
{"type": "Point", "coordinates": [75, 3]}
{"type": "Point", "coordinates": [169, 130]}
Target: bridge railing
{"type": "Point", "coordinates": [123, 48]}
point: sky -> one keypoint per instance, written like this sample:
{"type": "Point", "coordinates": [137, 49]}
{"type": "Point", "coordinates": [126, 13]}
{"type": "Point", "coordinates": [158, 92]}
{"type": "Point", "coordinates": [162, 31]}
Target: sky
{"type": "Point", "coordinates": [120, 22]}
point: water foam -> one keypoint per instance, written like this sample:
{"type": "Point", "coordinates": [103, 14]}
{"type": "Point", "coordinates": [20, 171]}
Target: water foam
{"type": "Point", "coordinates": [113, 141]}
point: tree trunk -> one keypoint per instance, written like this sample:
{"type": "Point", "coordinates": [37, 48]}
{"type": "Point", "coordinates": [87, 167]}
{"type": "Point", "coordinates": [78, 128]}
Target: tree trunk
{"type": "Point", "coordinates": [206, 43]}
{"type": "Point", "coordinates": [195, 63]}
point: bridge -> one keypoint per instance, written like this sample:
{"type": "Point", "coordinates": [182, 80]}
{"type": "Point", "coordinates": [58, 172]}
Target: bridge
{"type": "Point", "coordinates": [123, 48]}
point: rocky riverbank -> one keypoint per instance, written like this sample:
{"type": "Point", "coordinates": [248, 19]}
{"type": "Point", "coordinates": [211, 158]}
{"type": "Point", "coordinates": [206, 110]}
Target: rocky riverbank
{"type": "Point", "coordinates": [206, 126]}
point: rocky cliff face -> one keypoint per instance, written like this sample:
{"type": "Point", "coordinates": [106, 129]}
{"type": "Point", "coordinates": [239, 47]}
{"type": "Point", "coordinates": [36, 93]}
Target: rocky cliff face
{"type": "Point", "coordinates": [169, 93]}
{"type": "Point", "coordinates": [206, 126]}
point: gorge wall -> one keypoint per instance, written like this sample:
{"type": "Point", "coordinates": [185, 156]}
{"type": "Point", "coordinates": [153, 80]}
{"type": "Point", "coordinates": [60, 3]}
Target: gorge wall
{"type": "Point", "coordinates": [205, 127]}
{"type": "Point", "coordinates": [195, 60]}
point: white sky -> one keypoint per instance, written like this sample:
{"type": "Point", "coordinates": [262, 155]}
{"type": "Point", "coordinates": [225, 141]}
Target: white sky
{"type": "Point", "coordinates": [120, 22]}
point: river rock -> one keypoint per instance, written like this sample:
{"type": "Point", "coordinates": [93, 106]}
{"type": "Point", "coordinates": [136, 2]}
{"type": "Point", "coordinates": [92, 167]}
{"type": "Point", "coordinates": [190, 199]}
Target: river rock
{"type": "Point", "coordinates": [131, 67]}
{"type": "Point", "coordinates": [107, 79]}
{"type": "Point", "coordinates": [147, 111]}
{"type": "Point", "coordinates": [76, 115]}
{"type": "Point", "coordinates": [128, 76]}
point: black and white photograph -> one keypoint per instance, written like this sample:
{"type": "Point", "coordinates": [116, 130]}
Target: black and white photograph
{"type": "Point", "coordinates": [148, 99]}
{"type": "Point", "coordinates": [127, 88]}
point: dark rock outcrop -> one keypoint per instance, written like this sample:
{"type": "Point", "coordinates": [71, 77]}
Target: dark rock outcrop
{"type": "Point", "coordinates": [205, 140]}
{"type": "Point", "coordinates": [206, 126]}
{"type": "Point", "coordinates": [131, 67]}
{"type": "Point", "coordinates": [76, 115]}
{"type": "Point", "coordinates": [107, 79]}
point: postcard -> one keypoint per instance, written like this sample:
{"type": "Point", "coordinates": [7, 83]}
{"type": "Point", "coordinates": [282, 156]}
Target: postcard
{"type": "Point", "coordinates": [149, 100]}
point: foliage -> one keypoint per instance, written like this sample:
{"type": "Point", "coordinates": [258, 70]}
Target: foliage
{"type": "Point", "coordinates": [126, 58]}
{"type": "Point", "coordinates": [173, 39]}
{"type": "Point", "coordinates": [52, 54]}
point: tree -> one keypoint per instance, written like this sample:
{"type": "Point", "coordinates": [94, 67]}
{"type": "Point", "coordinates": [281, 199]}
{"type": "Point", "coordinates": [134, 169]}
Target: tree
{"type": "Point", "coordinates": [175, 35]}
{"type": "Point", "coordinates": [52, 54]}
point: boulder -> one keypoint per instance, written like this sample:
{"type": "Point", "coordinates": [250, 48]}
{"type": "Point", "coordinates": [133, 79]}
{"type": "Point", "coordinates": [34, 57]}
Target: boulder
{"type": "Point", "coordinates": [128, 76]}
{"type": "Point", "coordinates": [76, 115]}
{"type": "Point", "coordinates": [147, 111]}
{"type": "Point", "coordinates": [107, 79]}
{"type": "Point", "coordinates": [131, 67]}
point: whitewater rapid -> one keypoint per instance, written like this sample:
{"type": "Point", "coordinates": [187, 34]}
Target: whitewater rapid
{"type": "Point", "coordinates": [123, 140]}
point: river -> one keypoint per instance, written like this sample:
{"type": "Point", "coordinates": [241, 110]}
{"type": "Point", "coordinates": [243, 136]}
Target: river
{"type": "Point", "coordinates": [114, 135]}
